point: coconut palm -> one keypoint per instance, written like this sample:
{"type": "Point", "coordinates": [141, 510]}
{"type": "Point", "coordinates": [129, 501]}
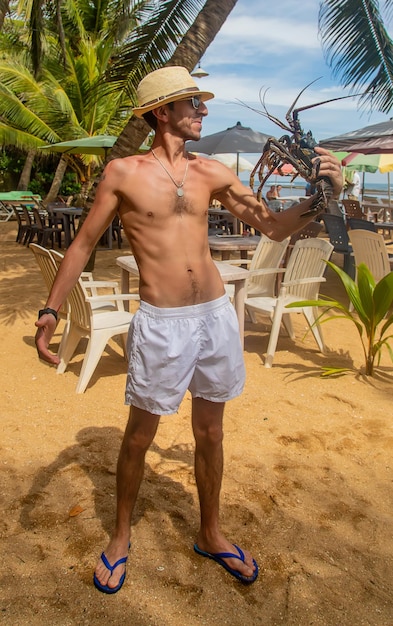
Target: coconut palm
{"type": "Point", "coordinates": [62, 105]}
{"type": "Point", "coordinates": [188, 53]}
{"type": "Point", "coordinates": [359, 48]}
{"type": "Point", "coordinates": [79, 89]}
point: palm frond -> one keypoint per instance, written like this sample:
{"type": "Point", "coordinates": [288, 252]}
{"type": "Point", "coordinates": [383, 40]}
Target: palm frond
{"type": "Point", "coordinates": [154, 40]}
{"type": "Point", "coordinates": [359, 49]}
{"type": "Point", "coordinates": [10, 136]}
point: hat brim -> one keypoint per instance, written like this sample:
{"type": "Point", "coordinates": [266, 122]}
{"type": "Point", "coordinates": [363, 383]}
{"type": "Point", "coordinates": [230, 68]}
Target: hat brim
{"type": "Point", "coordinates": [203, 95]}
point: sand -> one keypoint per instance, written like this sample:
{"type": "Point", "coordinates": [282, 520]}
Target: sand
{"type": "Point", "coordinates": [307, 485]}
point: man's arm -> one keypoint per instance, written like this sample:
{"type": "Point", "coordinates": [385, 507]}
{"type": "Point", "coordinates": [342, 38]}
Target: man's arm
{"type": "Point", "coordinates": [100, 216]}
{"type": "Point", "coordinates": [243, 204]}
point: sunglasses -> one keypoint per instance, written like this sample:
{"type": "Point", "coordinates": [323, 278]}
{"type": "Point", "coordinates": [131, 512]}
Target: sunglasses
{"type": "Point", "coordinates": [196, 101]}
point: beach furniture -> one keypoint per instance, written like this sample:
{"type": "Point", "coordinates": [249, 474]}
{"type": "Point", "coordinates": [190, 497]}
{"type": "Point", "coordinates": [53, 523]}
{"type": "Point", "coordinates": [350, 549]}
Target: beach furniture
{"type": "Point", "coordinates": [268, 257]}
{"type": "Point", "coordinates": [338, 237]}
{"type": "Point", "coordinates": [301, 281]}
{"type": "Point", "coordinates": [370, 248]}
{"type": "Point", "coordinates": [353, 208]}
{"type": "Point", "coordinates": [87, 314]}
{"type": "Point", "coordinates": [96, 324]}
{"type": "Point", "coordinates": [22, 224]}
{"type": "Point", "coordinates": [48, 270]}
{"type": "Point", "coordinates": [355, 223]}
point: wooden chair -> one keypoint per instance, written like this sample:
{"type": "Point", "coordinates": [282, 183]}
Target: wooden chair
{"type": "Point", "coordinates": [32, 228]}
{"type": "Point", "coordinates": [22, 224]}
{"type": "Point", "coordinates": [301, 281]}
{"type": "Point", "coordinates": [353, 208]}
{"type": "Point", "coordinates": [117, 231]}
{"type": "Point", "coordinates": [58, 220]}
{"type": "Point", "coordinates": [48, 232]}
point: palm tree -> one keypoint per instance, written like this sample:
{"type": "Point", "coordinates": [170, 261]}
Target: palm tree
{"type": "Point", "coordinates": [64, 104]}
{"type": "Point", "coordinates": [188, 52]}
{"type": "Point", "coordinates": [358, 47]}
{"type": "Point", "coordinates": [86, 82]}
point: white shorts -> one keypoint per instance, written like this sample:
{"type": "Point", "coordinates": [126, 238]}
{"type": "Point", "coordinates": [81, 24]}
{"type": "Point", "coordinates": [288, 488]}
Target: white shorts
{"type": "Point", "coordinates": [174, 349]}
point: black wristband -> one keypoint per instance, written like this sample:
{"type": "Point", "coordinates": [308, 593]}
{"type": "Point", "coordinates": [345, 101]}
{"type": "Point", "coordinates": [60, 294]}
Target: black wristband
{"type": "Point", "coordinates": [47, 310]}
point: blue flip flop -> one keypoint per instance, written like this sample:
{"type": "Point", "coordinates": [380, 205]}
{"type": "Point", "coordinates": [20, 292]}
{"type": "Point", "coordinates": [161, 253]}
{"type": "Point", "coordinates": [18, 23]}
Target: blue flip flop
{"type": "Point", "coordinates": [105, 588]}
{"type": "Point", "coordinates": [219, 556]}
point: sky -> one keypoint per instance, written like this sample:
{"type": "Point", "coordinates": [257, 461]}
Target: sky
{"type": "Point", "coordinates": [274, 46]}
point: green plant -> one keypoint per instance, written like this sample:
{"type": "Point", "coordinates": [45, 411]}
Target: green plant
{"type": "Point", "coordinates": [372, 314]}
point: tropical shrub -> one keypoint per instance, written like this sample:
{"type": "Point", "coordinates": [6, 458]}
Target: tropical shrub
{"type": "Point", "coordinates": [372, 313]}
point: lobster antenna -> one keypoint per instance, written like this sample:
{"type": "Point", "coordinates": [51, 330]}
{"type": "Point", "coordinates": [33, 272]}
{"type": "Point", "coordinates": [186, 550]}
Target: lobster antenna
{"type": "Point", "coordinates": [265, 113]}
{"type": "Point", "coordinates": [292, 107]}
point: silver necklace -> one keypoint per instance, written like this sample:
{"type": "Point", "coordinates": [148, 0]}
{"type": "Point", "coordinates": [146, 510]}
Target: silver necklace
{"type": "Point", "coordinates": [179, 186]}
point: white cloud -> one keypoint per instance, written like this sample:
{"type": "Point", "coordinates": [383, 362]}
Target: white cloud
{"type": "Point", "coordinates": [275, 46]}
{"type": "Point", "coordinates": [277, 36]}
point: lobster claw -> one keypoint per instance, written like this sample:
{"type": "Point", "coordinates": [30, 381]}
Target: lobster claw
{"type": "Point", "coordinates": [321, 199]}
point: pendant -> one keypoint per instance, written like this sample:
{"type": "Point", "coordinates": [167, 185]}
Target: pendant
{"type": "Point", "coordinates": [180, 192]}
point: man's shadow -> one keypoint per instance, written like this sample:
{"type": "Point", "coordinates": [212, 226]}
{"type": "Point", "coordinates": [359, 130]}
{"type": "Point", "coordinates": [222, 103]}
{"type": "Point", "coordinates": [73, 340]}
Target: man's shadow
{"type": "Point", "coordinates": [95, 453]}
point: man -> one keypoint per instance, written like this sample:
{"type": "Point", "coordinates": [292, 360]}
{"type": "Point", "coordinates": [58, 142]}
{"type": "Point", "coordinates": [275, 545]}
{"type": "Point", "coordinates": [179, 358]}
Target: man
{"type": "Point", "coordinates": [185, 334]}
{"type": "Point", "coordinates": [353, 185]}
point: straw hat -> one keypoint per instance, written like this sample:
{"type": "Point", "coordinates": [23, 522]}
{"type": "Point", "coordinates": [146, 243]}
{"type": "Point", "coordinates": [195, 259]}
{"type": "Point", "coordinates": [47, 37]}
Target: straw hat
{"type": "Point", "coordinates": [167, 84]}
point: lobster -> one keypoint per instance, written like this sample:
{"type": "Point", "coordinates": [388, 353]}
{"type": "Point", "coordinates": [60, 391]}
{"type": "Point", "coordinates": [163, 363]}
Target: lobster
{"type": "Point", "coordinates": [297, 149]}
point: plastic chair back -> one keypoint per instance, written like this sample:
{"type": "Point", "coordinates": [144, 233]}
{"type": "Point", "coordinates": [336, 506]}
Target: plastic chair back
{"type": "Point", "coordinates": [370, 248]}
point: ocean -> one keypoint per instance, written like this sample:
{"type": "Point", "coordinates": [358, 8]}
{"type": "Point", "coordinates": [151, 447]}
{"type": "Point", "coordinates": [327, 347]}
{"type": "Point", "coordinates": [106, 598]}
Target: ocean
{"type": "Point", "coordinates": [297, 188]}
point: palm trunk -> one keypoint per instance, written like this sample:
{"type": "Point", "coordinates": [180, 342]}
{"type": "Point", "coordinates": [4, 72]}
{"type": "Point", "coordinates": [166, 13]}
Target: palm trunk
{"type": "Point", "coordinates": [4, 9]}
{"type": "Point", "coordinates": [57, 180]}
{"type": "Point", "coordinates": [25, 176]}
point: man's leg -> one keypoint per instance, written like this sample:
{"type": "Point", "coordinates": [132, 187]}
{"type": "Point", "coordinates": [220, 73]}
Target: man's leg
{"type": "Point", "coordinates": [138, 436]}
{"type": "Point", "coordinates": [207, 420]}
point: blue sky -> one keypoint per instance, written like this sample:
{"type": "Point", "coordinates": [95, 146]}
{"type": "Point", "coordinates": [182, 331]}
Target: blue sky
{"type": "Point", "coordinates": [275, 46]}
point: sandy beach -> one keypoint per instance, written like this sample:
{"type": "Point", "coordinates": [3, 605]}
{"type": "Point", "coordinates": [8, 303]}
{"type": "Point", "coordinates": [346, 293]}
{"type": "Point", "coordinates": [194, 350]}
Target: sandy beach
{"type": "Point", "coordinates": [308, 483]}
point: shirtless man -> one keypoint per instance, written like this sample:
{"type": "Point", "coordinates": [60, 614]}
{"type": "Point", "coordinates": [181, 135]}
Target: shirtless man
{"type": "Point", "coordinates": [185, 329]}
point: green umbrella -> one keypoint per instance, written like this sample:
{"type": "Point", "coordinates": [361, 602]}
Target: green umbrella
{"type": "Point", "coordinates": [96, 144]}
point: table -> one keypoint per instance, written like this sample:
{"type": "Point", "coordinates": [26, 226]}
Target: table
{"type": "Point", "coordinates": [372, 210]}
{"type": "Point", "coordinates": [229, 274]}
{"type": "Point", "coordinates": [375, 209]}
{"type": "Point", "coordinates": [384, 226]}
{"type": "Point", "coordinates": [66, 213]}
{"type": "Point", "coordinates": [227, 244]}
{"type": "Point", "coordinates": [224, 214]}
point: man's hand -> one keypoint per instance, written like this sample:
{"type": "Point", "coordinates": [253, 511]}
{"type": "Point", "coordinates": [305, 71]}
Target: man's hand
{"type": "Point", "coordinates": [331, 167]}
{"type": "Point", "coordinates": [46, 327]}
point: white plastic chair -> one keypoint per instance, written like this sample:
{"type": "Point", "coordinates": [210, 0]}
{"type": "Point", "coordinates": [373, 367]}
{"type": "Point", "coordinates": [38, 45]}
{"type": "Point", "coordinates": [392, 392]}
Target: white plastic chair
{"type": "Point", "coordinates": [97, 324]}
{"type": "Point", "coordinates": [301, 281]}
{"type": "Point", "coordinates": [48, 270]}
{"type": "Point", "coordinates": [266, 259]}
{"type": "Point", "coordinates": [48, 266]}
{"type": "Point", "coordinates": [370, 248]}
{"type": "Point", "coordinates": [92, 287]}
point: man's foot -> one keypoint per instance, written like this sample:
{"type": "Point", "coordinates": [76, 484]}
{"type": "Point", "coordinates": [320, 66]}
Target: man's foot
{"type": "Point", "coordinates": [239, 564]}
{"type": "Point", "coordinates": [110, 572]}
